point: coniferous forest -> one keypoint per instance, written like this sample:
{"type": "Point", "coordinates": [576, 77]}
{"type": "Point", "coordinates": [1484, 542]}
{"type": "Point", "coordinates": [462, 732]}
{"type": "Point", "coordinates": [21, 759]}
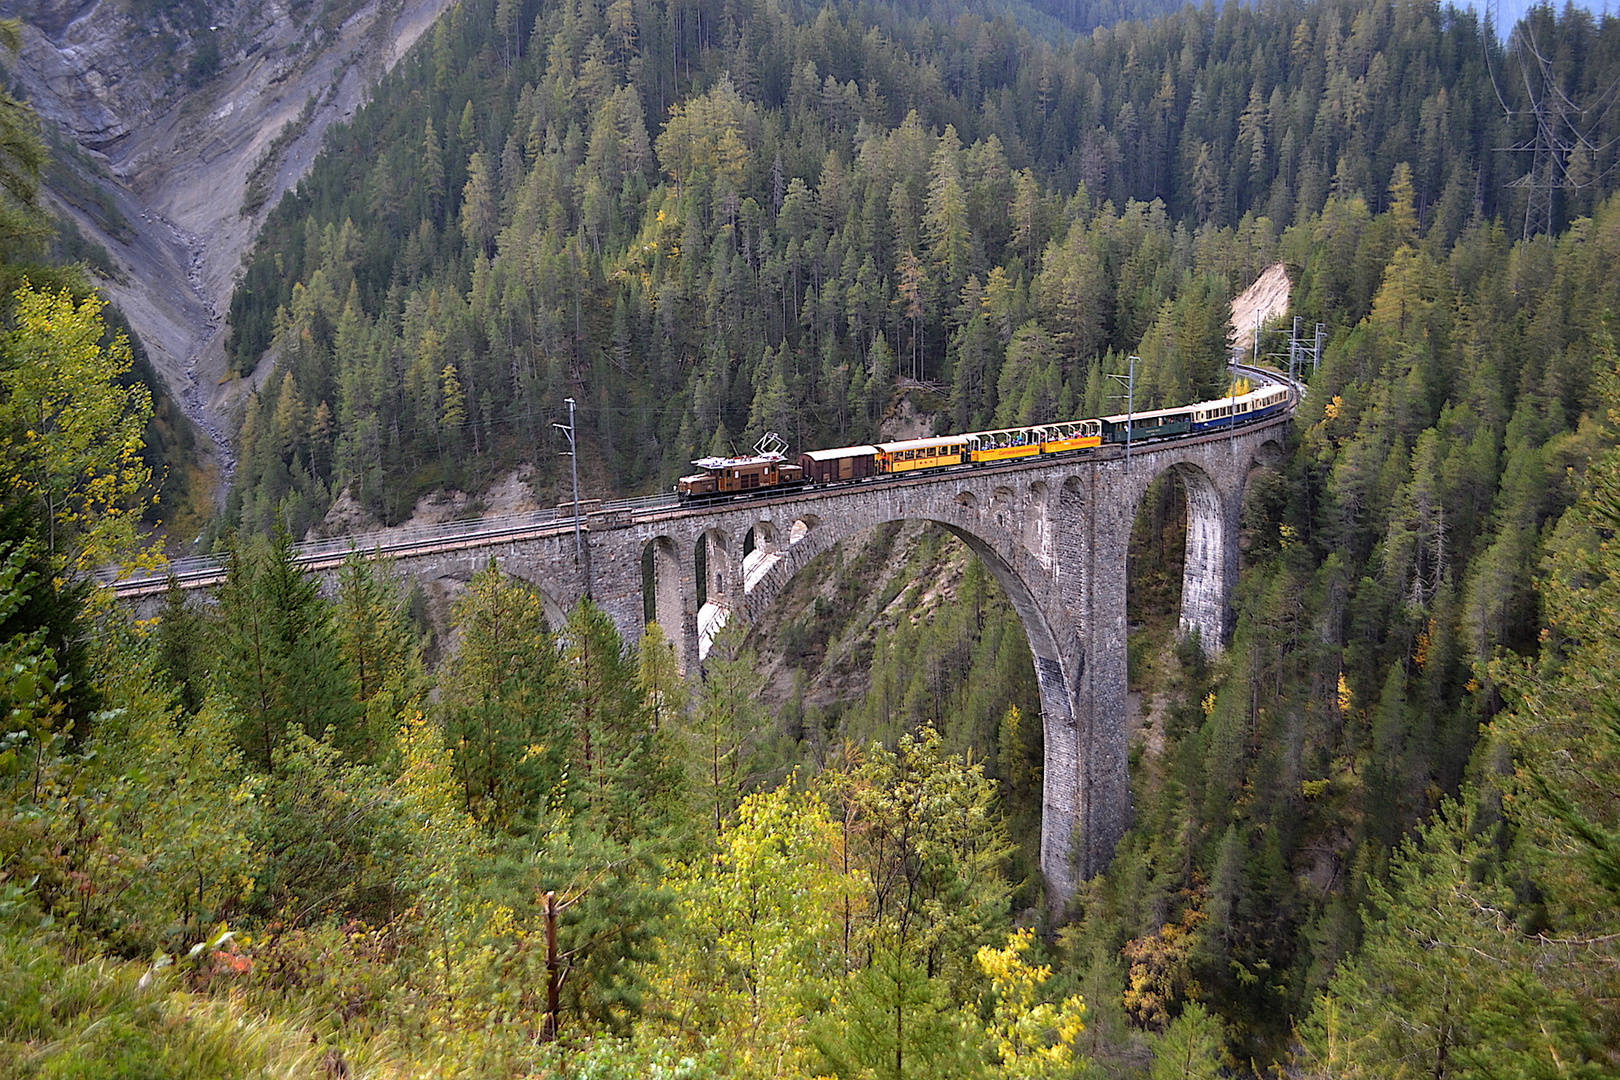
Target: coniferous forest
{"type": "Point", "coordinates": [282, 833]}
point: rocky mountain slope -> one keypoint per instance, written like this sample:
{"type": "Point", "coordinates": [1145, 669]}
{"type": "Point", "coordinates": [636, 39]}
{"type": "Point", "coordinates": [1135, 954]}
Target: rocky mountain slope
{"type": "Point", "coordinates": [193, 119]}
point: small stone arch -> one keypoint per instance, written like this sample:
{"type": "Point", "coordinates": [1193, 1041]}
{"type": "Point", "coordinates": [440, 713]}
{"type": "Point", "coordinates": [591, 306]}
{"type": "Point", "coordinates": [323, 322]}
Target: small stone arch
{"type": "Point", "coordinates": [1003, 507]}
{"type": "Point", "coordinates": [968, 501]}
{"type": "Point", "coordinates": [1210, 558]}
{"type": "Point", "coordinates": [661, 586]}
{"type": "Point", "coordinates": [716, 578]}
{"type": "Point", "coordinates": [802, 527]}
{"type": "Point", "coordinates": [761, 551]}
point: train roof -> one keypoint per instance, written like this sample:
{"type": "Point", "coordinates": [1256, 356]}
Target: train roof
{"type": "Point", "coordinates": [839, 452]}
{"type": "Point", "coordinates": [1024, 430]}
{"type": "Point", "coordinates": [1154, 414]}
{"type": "Point", "coordinates": [922, 444]}
{"type": "Point", "coordinates": [1151, 414]}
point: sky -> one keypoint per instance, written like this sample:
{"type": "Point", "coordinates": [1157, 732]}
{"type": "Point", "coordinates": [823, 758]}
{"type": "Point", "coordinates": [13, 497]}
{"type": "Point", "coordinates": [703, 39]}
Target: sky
{"type": "Point", "coordinates": [1508, 11]}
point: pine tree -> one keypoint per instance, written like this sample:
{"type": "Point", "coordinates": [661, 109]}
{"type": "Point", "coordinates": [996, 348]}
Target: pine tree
{"type": "Point", "coordinates": [279, 662]}
{"type": "Point", "coordinates": [505, 702]}
{"type": "Point", "coordinates": [182, 640]}
{"type": "Point", "coordinates": [379, 645]}
{"type": "Point", "coordinates": [626, 776]}
{"type": "Point", "coordinates": [658, 675]}
{"type": "Point", "coordinates": [1190, 1048]}
{"type": "Point", "coordinates": [727, 726]}
{"type": "Point", "coordinates": [1444, 984]}
{"type": "Point", "coordinates": [891, 1021]}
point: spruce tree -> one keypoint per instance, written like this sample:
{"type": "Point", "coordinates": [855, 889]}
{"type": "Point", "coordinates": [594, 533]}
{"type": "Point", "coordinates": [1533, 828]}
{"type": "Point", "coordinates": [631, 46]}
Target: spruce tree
{"type": "Point", "coordinates": [278, 657]}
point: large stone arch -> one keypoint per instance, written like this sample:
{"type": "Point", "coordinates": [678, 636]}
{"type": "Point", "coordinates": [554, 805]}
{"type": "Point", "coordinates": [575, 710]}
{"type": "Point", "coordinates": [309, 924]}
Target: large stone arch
{"type": "Point", "coordinates": [762, 550]}
{"type": "Point", "coordinates": [556, 614]}
{"type": "Point", "coordinates": [1005, 565]}
{"type": "Point", "coordinates": [1078, 767]}
{"type": "Point", "coordinates": [1210, 564]}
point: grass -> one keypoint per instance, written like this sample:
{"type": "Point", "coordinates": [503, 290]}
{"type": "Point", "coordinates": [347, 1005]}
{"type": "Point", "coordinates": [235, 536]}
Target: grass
{"type": "Point", "coordinates": [92, 1017]}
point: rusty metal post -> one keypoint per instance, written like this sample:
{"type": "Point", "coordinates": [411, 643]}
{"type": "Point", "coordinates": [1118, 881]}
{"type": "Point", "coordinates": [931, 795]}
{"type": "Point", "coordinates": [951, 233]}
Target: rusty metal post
{"type": "Point", "coordinates": [550, 1032]}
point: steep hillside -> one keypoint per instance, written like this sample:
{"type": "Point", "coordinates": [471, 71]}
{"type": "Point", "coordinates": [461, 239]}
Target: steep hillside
{"type": "Point", "coordinates": [705, 228]}
{"type": "Point", "coordinates": [179, 126]}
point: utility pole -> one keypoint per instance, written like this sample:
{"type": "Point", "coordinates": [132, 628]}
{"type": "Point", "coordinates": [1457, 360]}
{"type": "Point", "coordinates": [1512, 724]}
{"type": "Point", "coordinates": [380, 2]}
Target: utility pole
{"type": "Point", "coordinates": [1562, 149]}
{"type": "Point", "coordinates": [573, 463]}
{"type": "Point", "coordinates": [1129, 381]}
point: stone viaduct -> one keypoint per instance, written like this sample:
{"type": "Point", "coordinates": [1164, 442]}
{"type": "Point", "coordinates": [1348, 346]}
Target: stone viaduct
{"type": "Point", "coordinates": [1053, 532]}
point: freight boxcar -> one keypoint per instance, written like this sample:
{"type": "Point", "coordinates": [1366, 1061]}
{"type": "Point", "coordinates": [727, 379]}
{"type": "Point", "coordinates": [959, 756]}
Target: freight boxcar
{"type": "Point", "coordinates": [842, 463]}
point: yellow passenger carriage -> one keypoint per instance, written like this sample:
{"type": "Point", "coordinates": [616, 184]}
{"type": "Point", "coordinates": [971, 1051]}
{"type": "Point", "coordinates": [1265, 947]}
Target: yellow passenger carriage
{"type": "Point", "coordinates": [913, 454]}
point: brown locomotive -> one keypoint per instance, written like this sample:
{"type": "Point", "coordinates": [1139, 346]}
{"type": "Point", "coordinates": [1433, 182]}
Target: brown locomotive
{"type": "Point", "coordinates": [766, 468]}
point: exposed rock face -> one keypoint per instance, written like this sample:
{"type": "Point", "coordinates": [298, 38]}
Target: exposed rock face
{"type": "Point", "coordinates": [1261, 303]}
{"type": "Point", "coordinates": [181, 103]}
